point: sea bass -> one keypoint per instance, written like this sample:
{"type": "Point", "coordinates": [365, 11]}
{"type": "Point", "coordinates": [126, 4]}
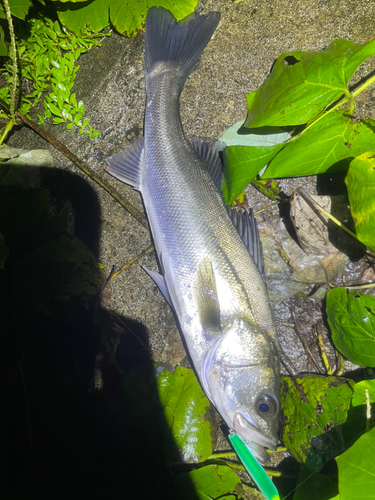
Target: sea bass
{"type": "Point", "coordinates": [213, 284]}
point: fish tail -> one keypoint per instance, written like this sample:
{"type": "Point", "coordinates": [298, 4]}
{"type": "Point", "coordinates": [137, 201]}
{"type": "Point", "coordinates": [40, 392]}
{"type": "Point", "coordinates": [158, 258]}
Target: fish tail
{"type": "Point", "coordinates": [179, 42]}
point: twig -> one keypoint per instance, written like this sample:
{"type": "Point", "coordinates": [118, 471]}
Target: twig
{"type": "Point", "coordinates": [323, 351]}
{"type": "Point", "coordinates": [65, 151]}
{"type": "Point", "coordinates": [340, 367]}
{"type": "Point", "coordinates": [314, 204]}
{"type": "Point", "coordinates": [148, 250]}
{"type": "Point", "coordinates": [287, 363]}
{"type": "Point", "coordinates": [82, 166]}
{"type": "Point", "coordinates": [307, 349]}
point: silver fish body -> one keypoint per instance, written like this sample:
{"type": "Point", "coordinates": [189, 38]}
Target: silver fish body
{"type": "Point", "coordinates": [208, 276]}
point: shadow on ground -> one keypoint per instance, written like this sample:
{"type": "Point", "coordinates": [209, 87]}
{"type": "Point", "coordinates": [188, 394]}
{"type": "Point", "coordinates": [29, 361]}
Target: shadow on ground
{"type": "Point", "coordinates": [70, 430]}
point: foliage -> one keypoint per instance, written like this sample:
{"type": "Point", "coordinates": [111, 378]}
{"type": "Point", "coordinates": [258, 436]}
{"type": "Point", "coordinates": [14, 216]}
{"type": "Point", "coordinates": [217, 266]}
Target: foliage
{"type": "Point", "coordinates": [212, 481]}
{"type": "Point", "coordinates": [48, 51]}
{"type": "Point", "coordinates": [356, 469]}
{"type": "Point", "coordinates": [174, 407]}
{"type": "Point", "coordinates": [187, 413]}
{"type": "Point", "coordinates": [361, 187]}
{"type": "Point", "coordinates": [301, 91]}
{"type": "Point", "coordinates": [126, 17]}
{"type": "Point", "coordinates": [312, 404]}
{"type": "Point", "coordinates": [351, 317]}
{"type": "Point", "coordinates": [47, 56]}
{"type": "Point", "coordinates": [302, 84]}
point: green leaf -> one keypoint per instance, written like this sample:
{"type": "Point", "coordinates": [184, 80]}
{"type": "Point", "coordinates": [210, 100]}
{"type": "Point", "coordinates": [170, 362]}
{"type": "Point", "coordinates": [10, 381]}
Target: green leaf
{"type": "Point", "coordinates": [321, 147]}
{"type": "Point", "coordinates": [302, 84]}
{"type": "Point", "coordinates": [237, 135]}
{"type": "Point", "coordinates": [356, 469]}
{"type": "Point", "coordinates": [3, 49]}
{"type": "Point", "coordinates": [210, 482]}
{"type": "Point", "coordinates": [19, 8]}
{"type": "Point", "coordinates": [73, 100]}
{"type": "Point", "coordinates": [55, 110]}
{"type": "Point", "coordinates": [128, 18]}
{"type": "Point", "coordinates": [312, 405]}
{"type": "Point", "coordinates": [77, 16]}
{"type": "Point", "coordinates": [359, 396]}
{"type": "Point", "coordinates": [242, 164]}
{"type": "Point", "coordinates": [351, 317]}
{"type": "Point", "coordinates": [186, 411]}
{"type": "Point", "coordinates": [360, 182]}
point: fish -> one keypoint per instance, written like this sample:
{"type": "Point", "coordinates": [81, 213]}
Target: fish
{"type": "Point", "coordinates": [210, 257]}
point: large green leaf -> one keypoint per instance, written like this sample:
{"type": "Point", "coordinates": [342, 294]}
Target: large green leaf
{"type": "Point", "coordinates": [356, 469]}
{"type": "Point", "coordinates": [210, 482]}
{"type": "Point", "coordinates": [351, 317]}
{"type": "Point", "coordinates": [242, 164]}
{"type": "Point", "coordinates": [238, 135]}
{"type": "Point", "coordinates": [187, 413]}
{"type": "Point", "coordinates": [360, 182]}
{"type": "Point", "coordinates": [78, 16]}
{"type": "Point", "coordinates": [128, 17]}
{"type": "Point", "coordinates": [302, 84]}
{"type": "Point", "coordinates": [330, 140]}
{"type": "Point", "coordinates": [312, 405]}
{"type": "Point", "coordinates": [19, 8]}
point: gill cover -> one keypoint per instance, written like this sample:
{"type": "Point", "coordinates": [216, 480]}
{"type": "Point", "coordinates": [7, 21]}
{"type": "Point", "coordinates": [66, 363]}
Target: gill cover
{"type": "Point", "coordinates": [240, 376]}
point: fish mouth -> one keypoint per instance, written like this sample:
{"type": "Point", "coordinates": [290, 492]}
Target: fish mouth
{"type": "Point", "coordinates": [245, 426]}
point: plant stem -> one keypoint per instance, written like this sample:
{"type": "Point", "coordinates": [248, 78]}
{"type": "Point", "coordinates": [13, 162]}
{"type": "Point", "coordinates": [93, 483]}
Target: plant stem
{"type": "Point", "coordinates": [368, 411]}
{"type": "Point", "coordinates": [316, 205]}
{"type": "Point", "coordinates": [226, 454]}
{"type": "Point", "coordinates": [148, 250]}
{"type": "Point", "coordinates": [13, 88]}
{"type": "Point", "coordinates": [8, 128]}
{"type": "Point", "coordinates": [65, 151]}
{"type": "Point", "coordinates": [360, 89]}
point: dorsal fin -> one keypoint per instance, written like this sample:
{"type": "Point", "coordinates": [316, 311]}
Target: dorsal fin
{"type": "Point", "coordinates": [247, 228]}
{"type": "Point", "coordinates": [208, 150]}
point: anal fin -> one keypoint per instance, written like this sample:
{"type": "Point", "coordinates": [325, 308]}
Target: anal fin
{"type": "Point", "coordinates": [160, 282]}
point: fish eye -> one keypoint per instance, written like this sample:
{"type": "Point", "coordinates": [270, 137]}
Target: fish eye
{"type": "Point", "coordinates": [267, 405]}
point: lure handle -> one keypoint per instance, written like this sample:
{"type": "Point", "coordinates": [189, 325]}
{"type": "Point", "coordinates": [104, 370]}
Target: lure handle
{"type": "Point", "coordinates": [254, 468]}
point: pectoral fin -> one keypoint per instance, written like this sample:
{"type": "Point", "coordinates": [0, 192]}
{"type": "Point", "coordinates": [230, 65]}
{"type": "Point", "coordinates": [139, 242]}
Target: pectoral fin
{"type": "Point", "coordinates": [208, 300]}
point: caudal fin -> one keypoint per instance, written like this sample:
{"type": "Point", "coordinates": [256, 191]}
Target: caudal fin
{"type": "Point", "coordinates": [182, 42]}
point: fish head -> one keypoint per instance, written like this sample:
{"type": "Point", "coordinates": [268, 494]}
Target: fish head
{"type": "Point", "coordinates": [241, 376]}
